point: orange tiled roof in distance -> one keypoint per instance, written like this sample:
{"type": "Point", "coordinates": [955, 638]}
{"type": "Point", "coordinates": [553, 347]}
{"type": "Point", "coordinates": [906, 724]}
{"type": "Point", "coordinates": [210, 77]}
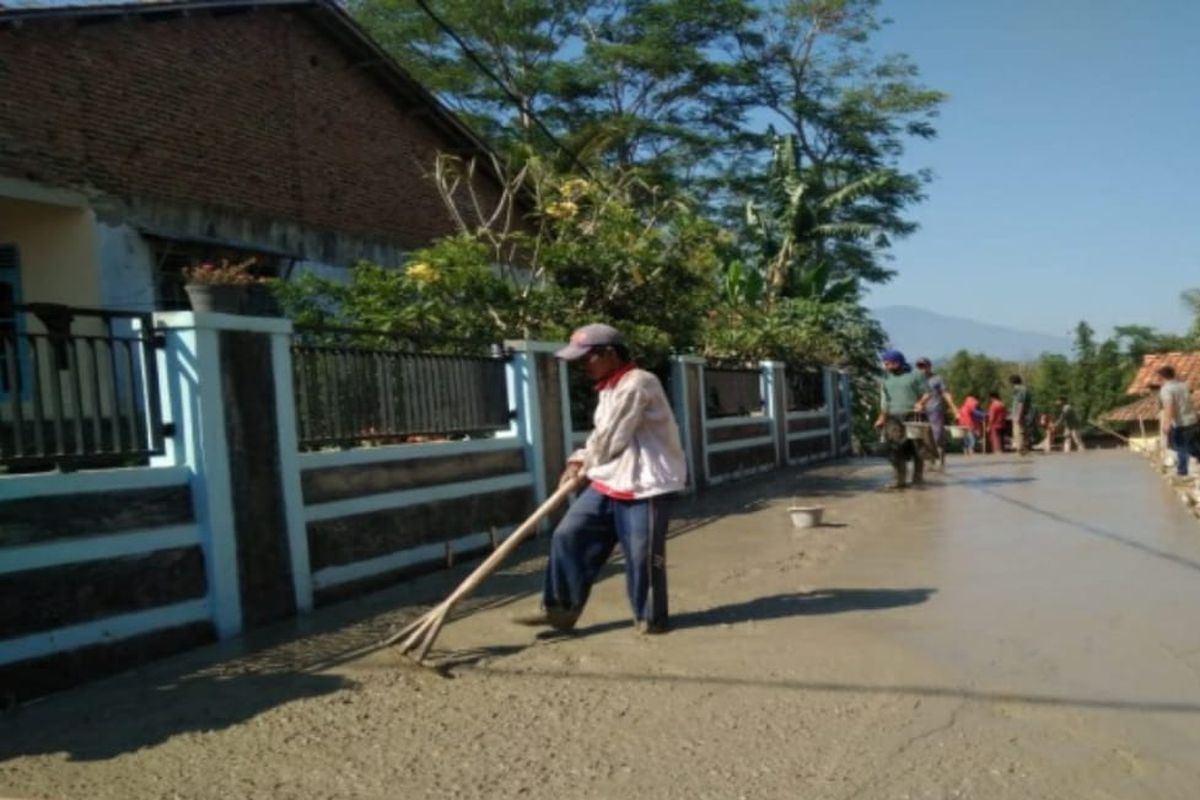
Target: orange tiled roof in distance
{"type": "Point", "coordinates": [1144, 408]}
{"type": "Point", "coordinates": [1187, 369]}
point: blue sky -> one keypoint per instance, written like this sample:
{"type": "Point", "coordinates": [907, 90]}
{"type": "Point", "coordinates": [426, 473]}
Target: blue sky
{"type": "Point", "coordinates": [1066, 167]}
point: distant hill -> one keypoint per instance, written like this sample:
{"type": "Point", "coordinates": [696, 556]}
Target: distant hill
{"type": "Point", "coordinates": [918, 332]}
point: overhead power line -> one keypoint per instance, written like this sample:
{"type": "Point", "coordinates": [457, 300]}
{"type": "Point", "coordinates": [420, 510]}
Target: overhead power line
{"type": "Point", "coordinates": [517, 101]}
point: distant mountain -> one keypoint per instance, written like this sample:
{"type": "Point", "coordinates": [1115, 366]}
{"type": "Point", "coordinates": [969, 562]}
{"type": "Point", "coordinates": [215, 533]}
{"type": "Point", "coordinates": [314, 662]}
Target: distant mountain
{"type": "Point", "coordinates": [918, 332]}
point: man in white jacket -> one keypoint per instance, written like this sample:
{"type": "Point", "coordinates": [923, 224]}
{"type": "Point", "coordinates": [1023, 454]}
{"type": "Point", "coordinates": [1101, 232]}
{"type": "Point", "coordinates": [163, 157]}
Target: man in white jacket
{"type": "Point", "coordinates": [635, 463]}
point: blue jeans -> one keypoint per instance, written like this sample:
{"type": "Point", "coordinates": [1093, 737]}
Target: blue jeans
{"type": "Point", "coordinates": [969, 441]}
{"type": "Point", "coordinates": [585, 538]}
{"type": "Point", "coordinates": [1180, 440]}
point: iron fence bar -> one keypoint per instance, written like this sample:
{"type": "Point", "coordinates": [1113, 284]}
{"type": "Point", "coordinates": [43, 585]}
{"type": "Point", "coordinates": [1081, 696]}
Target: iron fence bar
{"type": "Point", "coordinates": [57, 402]}
{"type": "Point", "coordinates": [154, 419]}
{"type": "Point", "coordinates": [35, 390]}
{"type": "Point", "coordinates": [358, 386]}
{"type": "Point", "coordinates": [437, 383]}
{"type": "Point", "coordinates": [12, 353]}
{"type": "Point", "coordinates": [300, 390]}
{"type": "Point", "coordinates": [75, 378]}
{"type": "Point", "coordinates": [131, 383]}
{"type": "Point", "coordinates": [113, 416]}
{"type": "Point", "coordinates": [97, 410]}
{"type": "Point", "coordinates": [383, 392]}
{"type": "Point", "coordinates": [433, 383]}
{"type": "Point", "coordinates": [333, 381]}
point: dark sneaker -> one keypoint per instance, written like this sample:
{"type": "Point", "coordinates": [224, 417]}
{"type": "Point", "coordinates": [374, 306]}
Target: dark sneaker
{"type": "Point", "coordinates": [560, 619]}
{"type": "Point", "coordinates": [652, 628]}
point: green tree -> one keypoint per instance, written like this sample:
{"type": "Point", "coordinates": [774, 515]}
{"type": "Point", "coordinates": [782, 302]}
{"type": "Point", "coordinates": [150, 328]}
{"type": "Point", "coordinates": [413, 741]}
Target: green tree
{"type": "Point", "coordinates": [1141, 340]}
{"type": "Point", "coordinates": [588, 251]}
{"type": "Point", "coordinates": [793, 228]}
{"type": "Point", "coordinates": [1112, 376]}
{"type": "Point", "coordinates": [1050, 379]}
{"type": "Point", "coordinates": [973, 374]}
{"type": "Point", "coordinates": [1191, 300]}
{"type": "Point", "coordinates": [650, 89]}
{"type": "Point", "coordinates": [1083, 378]}
{"type": "Point", "coordinates": [520, 41]}
{"type": "Point", "coordinates": [622, 82]}
{"type": "Point", "coordinates": [809, 65]}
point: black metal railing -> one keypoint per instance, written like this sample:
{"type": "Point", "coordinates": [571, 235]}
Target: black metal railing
{"type": "Point", "coordinates": [805, 389]}
{"type": "Point", "coordinates": [582, 397]}
{"type": "Point", "coordinates": [357, 387]}
{"type": "Point", "coordinates": [732, 390]}
{"type": "Point", "coordinates": [78, 388]}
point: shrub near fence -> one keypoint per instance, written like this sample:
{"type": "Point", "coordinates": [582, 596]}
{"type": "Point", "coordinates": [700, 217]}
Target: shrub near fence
{"type": "Point", "coordinates": [356, 387]}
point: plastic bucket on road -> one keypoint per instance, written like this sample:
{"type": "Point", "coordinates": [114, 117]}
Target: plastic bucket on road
{"type": "Point", "coordinates": [805, 516]}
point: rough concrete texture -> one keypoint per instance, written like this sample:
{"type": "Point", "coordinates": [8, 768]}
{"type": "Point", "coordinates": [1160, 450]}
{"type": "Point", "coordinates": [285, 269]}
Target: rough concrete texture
{"type": "Point", "coordinates": [1018, 629]}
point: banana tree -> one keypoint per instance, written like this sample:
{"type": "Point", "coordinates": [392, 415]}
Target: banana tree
{"type": "Point", "coordinates": [794, 228]}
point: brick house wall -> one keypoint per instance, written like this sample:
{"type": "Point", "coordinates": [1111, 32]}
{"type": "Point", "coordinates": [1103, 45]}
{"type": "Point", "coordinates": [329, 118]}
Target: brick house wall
{"type": "Point", "coordinates": [262, 112]}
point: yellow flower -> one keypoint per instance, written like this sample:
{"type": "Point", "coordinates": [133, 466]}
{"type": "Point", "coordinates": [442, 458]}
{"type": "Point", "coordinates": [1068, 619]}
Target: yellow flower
{"type": "Point", "coordinates": [575, 188]}
{"type": "Point", "coordinates": [563, 210]}
{"type": "Point", "coordinates": [422, 273]}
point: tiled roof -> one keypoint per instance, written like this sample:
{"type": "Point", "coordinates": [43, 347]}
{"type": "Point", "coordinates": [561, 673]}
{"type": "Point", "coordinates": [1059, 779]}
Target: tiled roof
{"type": "Point", "coordinates": [1187, 369]}
{"type": "Point", "coordinates": [1144, 408]}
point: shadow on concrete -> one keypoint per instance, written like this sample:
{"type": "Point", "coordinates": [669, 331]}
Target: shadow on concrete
{"type": "Point", "coordinates": [445, 662]}
{"type": "Point", "coordinates": [1116, 704]}
{"type": "Point", "coordinates": [780, 606]}
{"type": "Point", "coordinates": [107, 724]}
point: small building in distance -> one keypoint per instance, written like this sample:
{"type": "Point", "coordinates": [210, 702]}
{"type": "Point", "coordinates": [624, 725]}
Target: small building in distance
{"type": "Point", "coordinates": [1139, 419]}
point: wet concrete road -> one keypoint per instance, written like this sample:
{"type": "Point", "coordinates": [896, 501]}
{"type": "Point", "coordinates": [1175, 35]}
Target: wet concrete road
{"type": "Point", "coordinates": [1019, 629]}
{"type": "Point", "coordinates": [1062, 583]}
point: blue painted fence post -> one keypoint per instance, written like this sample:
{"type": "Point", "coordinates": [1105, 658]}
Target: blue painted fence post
{"type": "Point", "coordinates": [189, 371]}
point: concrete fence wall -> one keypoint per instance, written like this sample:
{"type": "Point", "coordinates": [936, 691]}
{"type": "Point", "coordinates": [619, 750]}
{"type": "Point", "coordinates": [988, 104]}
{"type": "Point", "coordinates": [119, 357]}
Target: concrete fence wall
{"type": "Point", "coordinates": [234, 528]}
{"type": "Point", "coordinates": [97, 569]}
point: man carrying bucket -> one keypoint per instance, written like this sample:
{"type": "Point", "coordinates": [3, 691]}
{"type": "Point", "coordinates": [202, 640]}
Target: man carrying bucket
{"type": "Point", "coordinates": [900, 393]}
{"type": "Point", "coordinates": [635, 462]}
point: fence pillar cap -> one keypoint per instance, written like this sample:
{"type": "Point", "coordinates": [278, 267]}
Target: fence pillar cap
{"type": "Point", "coordinates": [531, 346]}
{"type": "Point", "coordinates": [769, 364]}
{"type": "Point", "coordinates": [688, 359]}
{"type": "Point", "coordinates": [207, 320]}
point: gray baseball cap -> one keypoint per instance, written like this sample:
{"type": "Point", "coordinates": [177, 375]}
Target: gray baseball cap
{"type": "Point", "coordinates": [584, 339]}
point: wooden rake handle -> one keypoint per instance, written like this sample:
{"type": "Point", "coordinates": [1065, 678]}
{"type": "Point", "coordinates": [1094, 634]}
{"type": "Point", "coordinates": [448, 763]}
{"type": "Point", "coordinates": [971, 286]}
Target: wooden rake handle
{"type": "Point", "coordinates": [421, 633]}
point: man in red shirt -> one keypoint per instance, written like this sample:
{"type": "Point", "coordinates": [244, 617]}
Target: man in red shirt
{"type": "Point", "coordinates": [997, 415]}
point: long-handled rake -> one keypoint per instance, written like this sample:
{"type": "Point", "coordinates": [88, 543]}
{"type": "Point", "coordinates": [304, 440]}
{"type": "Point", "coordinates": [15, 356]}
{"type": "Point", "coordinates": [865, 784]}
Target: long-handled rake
{"type": "Point", "coordinates": [422, 632]}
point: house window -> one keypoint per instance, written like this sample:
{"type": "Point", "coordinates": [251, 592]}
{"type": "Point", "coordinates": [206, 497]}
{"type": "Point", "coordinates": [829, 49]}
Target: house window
{"type": "Point", "coordinates": [172, 256]}
{"type": "Point", "coordinates": [10, 295]}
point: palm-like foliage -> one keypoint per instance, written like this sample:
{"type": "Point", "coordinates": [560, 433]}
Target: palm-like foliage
{"type": "Point", "coordinates": [800, 221]}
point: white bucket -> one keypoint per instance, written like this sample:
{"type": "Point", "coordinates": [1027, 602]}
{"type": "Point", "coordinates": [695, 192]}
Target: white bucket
{"type": "Point", "coordinates": [957, 431]}
{"type": "Point", "coordinates": [805, 516]}
{"type": "Point", "coordinates": [916, 430]}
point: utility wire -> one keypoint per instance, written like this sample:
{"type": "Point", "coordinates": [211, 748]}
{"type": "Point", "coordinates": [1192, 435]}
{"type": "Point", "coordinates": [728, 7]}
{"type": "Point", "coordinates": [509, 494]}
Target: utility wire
{"type": "Point", "coordinates": [517, 101]}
